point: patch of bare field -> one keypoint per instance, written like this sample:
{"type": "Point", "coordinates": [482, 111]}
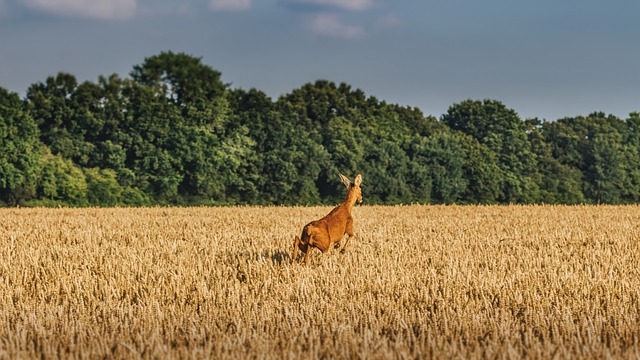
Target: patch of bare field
{"type": "Point", "coordinates": [415, 282]}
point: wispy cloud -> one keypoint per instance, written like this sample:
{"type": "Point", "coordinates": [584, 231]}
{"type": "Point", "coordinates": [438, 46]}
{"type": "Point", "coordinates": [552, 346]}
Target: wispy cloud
{"type": "Point", "coordinates": [326, 17]}
{"type": "Point", "coordinates": [331, 25]}
{"type": "Point", "coordinates": [93, 9]}
{"type": "Point", "coordinates": [389, 21]}
{"type": "Point", "coordinates": [230, 5]}
{"type": "Point", "coordinates": [335, 4]}
{"type": "Point", "coordinates": [164, 9]}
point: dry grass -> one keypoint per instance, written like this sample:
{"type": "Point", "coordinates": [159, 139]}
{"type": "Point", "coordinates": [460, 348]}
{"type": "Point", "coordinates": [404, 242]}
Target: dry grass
{"type": "Point", "coordinates": [417, 281]}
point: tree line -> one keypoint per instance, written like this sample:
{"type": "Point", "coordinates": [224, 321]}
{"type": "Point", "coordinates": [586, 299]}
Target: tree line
{"type": "Point", "coordinates": [173, 133]}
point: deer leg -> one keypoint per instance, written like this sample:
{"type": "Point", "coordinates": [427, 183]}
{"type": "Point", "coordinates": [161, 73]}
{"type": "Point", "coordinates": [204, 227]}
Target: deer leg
{"type": "Point", "coordinates": [349, 231]}
{"type": "Point", "coordinates": [345, 244]}
{"type": "Point", "coordinates": [309, 247]}
{"type": "Point", "coordinates": [306, 255]}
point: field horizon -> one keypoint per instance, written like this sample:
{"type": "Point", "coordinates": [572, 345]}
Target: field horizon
{"type": "Point", "coordinates": [417, 281]}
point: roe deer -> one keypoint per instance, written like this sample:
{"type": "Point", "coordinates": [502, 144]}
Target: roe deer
{"type": "Point", "coordinates": [330, 229]}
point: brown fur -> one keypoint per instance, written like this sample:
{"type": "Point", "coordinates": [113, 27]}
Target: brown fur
{"type": "Point", "coordinates": [330, 230]}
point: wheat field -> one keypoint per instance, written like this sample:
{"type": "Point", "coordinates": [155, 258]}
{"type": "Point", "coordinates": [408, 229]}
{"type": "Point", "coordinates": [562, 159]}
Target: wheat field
{"type": "Point", "coordinates": [440, 282]}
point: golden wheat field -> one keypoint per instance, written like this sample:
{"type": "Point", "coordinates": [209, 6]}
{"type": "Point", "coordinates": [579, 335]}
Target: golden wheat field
{"type": "Point", "coordinates": [416, 282]}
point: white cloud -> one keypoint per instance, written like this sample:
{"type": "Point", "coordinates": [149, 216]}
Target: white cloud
{"type": "Point", "coordinates": [230, 5]}
{"type": "Point", "coordinates": [330, 25]}
{"type": "Point", "coordinates": [94, 9]}
{"type": "Point", "coordinates": [342, 4]}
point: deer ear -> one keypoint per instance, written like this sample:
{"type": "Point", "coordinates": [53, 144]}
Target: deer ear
{"type": "Point", "coordinates": [358, 180]}
{"type": "Point", "coordinates": [345, 181]}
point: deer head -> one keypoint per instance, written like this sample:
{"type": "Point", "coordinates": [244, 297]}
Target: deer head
{"type": "Point", "coordinates": [353, 187]}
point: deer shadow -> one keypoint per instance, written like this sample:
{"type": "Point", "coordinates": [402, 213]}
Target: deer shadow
{"type": "Point", "coordinates": [278, 257]}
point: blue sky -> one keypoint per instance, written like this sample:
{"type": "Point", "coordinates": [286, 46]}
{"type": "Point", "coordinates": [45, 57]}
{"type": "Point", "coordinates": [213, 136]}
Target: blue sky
{"type": "Point", "coordinates": [543, 58]}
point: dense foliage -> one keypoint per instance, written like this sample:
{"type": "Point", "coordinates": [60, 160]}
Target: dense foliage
{"type": "Point", "coordinates": [174, 133]}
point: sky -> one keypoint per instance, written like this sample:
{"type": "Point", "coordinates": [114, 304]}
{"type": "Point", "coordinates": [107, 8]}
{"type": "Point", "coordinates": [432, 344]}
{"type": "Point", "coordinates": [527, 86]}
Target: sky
{"type": "Point", "coordinates": [545, 58]}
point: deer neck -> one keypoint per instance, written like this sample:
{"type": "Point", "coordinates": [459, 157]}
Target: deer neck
{"type": "Point", "coordinates": [350, 200]}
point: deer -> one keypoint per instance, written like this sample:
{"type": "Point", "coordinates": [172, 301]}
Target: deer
{"type": "Point", "coordinates": [330, 230]}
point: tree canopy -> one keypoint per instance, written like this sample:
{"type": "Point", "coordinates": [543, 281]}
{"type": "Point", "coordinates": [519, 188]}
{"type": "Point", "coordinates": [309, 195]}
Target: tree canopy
{"type": "Point", "coordinates": [174, 133]}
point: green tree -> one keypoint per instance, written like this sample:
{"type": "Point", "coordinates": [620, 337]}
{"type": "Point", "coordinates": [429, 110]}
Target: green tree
{"type": "Point", "coordinates": [631, 162]}
{"type": "Point", "coordinates": [360, 134]}
{"type": "Point", "coordinates": [83, 123]}
{"type": "Point", "coordinates": [345, 143]}
{"type": "Point", "coordinates": [293, 159]}
{"type": "Point", "coordinates": [102, 187]}
{"type": "Point", "coordinates": [195, 87]}
{"type": "Point", "coordinates": [61, 181]}
{"type": "Point", "coordinates": [503, 132]}
{"type": "Point", "coordinates": [387, 167]}
{"type": "Point", "coordinates": [62, 124]}
{"type": "Point", "coordinates": [481, 172]}
{"type": "Point", "coordinates": [184, 78]}
{"type": "Point", "coordinates": [255, 122]}
{"type": "Point", "coordinates": [559, 183]}
{"type": "Point", "coordinates": [152, 126]}
{"type": "Point", "coordinates": [605, 174]}
{"type": "Point", "coordinates": [19, 155]}
{"type": "Point", "coordinates": [443, 158]}
{"type": "Point", "coordinates": [586, 144]}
